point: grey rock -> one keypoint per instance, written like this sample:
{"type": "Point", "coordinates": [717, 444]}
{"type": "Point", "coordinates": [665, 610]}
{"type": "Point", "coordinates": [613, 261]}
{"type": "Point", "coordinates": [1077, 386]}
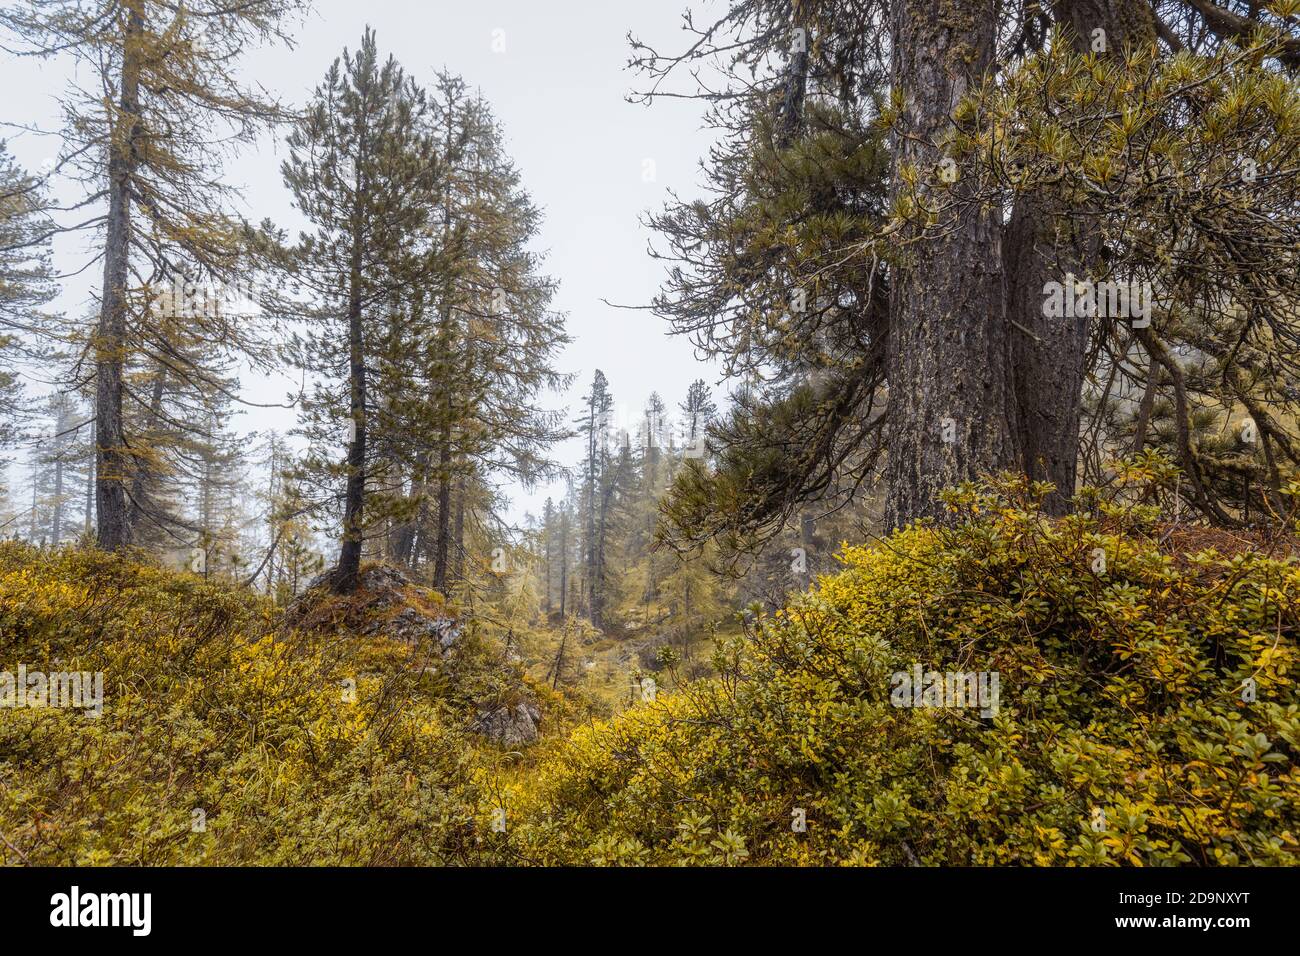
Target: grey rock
{"type": "Point", "coordinates": [412, 627]}
{"type": "Point", "coordinates": [509, 725]}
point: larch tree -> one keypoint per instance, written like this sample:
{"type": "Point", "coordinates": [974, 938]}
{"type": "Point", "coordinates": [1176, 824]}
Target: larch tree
{"type": "Point", "coordinates": [158, 107]}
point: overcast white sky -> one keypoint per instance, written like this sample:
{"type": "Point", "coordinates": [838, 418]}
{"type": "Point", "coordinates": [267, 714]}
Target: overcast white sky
{"type": "Point", "coordinates": [558, 88]}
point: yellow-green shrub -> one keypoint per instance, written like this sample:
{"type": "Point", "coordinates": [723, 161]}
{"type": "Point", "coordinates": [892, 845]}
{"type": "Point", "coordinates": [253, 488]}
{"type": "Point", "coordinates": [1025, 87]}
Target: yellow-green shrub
{"type": "Point", "coordinates": [208, 707]}
{"type": "Point", "coordinates": [1123, 736]}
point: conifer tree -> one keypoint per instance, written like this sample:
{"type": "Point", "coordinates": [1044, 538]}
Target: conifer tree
{"type": "Point", "coordinates": [899, 333]}
{"type": "Point", "coordinates": [159, 107]}
{"type": "Point", "coordinates": [547, 531]}
{"type": "Point", "coordinates": [594, 427]}
{"type": "Point", "coordinates": [698, 412]}
{"type": "Point", "coordinates": [25, 286]}
{"type": "Point", "coordinates": [362, 170]}
{"type": "Point", "coordinates": [496, 337]}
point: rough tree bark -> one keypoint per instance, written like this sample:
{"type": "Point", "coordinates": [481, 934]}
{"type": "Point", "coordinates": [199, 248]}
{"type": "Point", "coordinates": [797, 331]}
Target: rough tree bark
{"type": "Point", "coordinates": [345, 576]}
{"type": "Point", "coordinates": [950, 409]}
{"type": "Point", "coordinates": [1048, 352]}
{"type": "Point", "coordinates": [1041, 245]}
{"type": "Point", "coordinates": [113, 460]}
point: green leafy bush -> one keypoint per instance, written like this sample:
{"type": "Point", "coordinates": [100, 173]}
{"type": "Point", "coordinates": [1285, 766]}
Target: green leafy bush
{"type": "Point", "coordinates": [1147, 714]}
{"type": "Point", "coordinates": [209, 707]}
{"type": "Point", "coordinates": [1126, 732]}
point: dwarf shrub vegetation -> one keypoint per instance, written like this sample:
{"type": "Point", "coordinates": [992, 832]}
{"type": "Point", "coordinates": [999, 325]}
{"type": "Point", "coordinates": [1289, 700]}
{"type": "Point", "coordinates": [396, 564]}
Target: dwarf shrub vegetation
{"type": "Point", "coordinates": [1122, 737]}
{"type": "Point", "coordinates": [1148, 716]}
{"type": "Point", "coordinates": [208, 706]}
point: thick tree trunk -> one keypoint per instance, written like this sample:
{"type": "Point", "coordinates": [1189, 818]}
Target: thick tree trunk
{"type": "Point", "coordinates": [949, 399]}
{"type": "Point", "coordinates": [1043, 243]}
{"type": "Point", "coordinates": [1048, 351]}
{"type": "Point", "coordinates": [401, 545]}
{"type": "Point", "coordinates": [1125, 22]}
{"type": "Point", "coordinates": [796, 82]}
{"type": "Point", "coordinates": [113, 464]}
